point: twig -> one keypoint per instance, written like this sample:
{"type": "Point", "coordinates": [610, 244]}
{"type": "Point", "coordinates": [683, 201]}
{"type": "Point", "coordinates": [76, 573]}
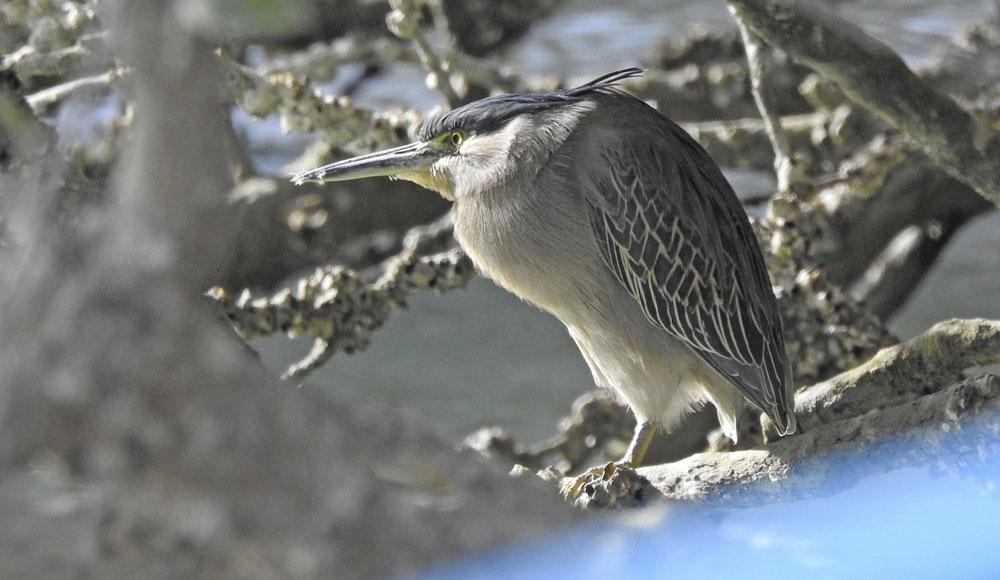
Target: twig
{"type": "Point", "coordinates": [451, 71]}
{"type": "Point", "coordinates": [744, 142]}
{"type": "Point", "coordinates": [873, 75]}
{"type": "Point", "coordinates": [475, 71]}
{"type": "Point", "coordinates": [785, 168]}
{"type": "Point", "coordinates": [597, 429]}
{"type": "Point", "coordinates": [404, 21]}
{"type": "Point", "coordinates": [42, 100]}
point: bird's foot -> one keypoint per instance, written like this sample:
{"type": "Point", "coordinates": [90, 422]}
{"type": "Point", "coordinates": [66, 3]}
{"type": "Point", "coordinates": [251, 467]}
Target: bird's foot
{"type": "Point", "coordinates": [614, 485]}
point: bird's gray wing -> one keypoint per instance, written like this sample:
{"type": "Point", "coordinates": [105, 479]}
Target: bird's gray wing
{"type": "Point", "coordinates": [672, 231]}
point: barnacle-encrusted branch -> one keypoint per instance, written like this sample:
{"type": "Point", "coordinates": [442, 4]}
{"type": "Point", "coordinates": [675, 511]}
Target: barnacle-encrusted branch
{"type": "Point", "coordinates": [873, 75]}
{"type": "Point", "coordinates": [923, 422]}
{"type": "Point", "coordinates": [903, 372]}
{"type": "Point", "coordinates": [322, 59]}
{"type": "Point", "coordinates": [903, 391]}
{"type": "Point", "coordinates": [303, 108]}
{"type": "Point", "coordinates": [337, 307]}
{"type": "Point", "coordinates": [404, 21]}
{"type": "Point", "coordinates": [826, 330]}
{"type": "Point", "coordinates": [450, 70]}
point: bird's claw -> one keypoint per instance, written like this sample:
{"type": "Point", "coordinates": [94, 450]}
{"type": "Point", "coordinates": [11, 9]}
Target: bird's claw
{"type": "Point", "coordinates": [572, 486]}
{"type": "Point", "coordinates": [614, 484]}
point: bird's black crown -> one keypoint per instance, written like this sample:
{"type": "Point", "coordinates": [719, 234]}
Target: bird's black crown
{"type": "Point", "coordinates": [491, 113]}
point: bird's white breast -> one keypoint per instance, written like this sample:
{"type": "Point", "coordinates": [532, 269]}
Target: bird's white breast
{"type": "Point", "coordinates": [542, 258]}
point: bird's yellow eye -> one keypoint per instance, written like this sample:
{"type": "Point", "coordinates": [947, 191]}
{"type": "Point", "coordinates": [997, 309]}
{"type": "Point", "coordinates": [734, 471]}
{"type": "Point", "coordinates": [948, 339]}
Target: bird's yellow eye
{"type": "Point", "coordinates": [456, 138]}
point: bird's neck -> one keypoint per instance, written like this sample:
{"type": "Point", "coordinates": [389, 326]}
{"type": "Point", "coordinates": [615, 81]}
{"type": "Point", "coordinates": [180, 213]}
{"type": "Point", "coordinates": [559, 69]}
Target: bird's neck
{"type": "Point", "coordinates": [519, 152]}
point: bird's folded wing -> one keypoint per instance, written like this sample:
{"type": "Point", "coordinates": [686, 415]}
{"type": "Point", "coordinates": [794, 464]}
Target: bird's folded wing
{"type": "Point", "coordinates": [673, 233]}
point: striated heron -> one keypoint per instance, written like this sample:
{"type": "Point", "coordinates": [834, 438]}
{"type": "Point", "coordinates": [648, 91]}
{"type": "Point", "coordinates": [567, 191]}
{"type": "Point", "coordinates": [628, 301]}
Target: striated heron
{"type": "Point", "coordinates": [597, 208]}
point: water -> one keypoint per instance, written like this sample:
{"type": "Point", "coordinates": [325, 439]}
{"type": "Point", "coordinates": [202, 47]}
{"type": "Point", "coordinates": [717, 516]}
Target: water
{"type": "Point", "coordinates": [482, 357]}
{"type": "Point", "coordinates": [588, 36]}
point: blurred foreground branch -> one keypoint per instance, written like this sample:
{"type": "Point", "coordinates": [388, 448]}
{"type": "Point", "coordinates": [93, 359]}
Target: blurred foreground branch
{"type": "Point", "coordinates": [139, 439]}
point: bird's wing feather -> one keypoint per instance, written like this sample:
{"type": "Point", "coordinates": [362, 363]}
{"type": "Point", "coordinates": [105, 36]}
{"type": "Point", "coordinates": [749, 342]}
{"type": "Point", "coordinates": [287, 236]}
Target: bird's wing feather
{"type": "Point", "coordinates": [674, 235]}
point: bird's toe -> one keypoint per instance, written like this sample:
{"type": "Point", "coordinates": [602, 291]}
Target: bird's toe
{"type": "Point", "coordinates": [615, 484]}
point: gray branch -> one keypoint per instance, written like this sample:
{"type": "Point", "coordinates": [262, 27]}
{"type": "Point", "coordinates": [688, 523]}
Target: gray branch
{"type": "Point", "coordinates": [338, 309]}
{"type": "Point", "coordinates": [911, 392]}
{"type": "Point", "coordinates": [919, 366]}
{"type": "Point", "coordinates": [303, 108]}
{"type": "Point", "coordinates": [896, 273]}
{"type": "Point", "coordinates": [139, 439]}
{"type": "Point", "coordinates": [785, 168]}
{"type": "Point", "coordinates": [873, 75]}
{"type": "Point", "coordinates": [794, 467]}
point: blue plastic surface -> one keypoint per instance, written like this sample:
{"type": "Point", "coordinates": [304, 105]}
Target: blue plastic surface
{"type": "Point", "coordinates": [938, 518]}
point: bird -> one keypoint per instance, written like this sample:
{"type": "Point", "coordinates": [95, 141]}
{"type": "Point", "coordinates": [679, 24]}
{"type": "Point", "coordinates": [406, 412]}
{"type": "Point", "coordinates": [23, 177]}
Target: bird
{"type": "Point", "coordinates": [597, 208]}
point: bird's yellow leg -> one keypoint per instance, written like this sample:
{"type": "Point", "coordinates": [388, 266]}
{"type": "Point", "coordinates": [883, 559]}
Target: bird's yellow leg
{"type": "Point", "coordinates": [643, 436]}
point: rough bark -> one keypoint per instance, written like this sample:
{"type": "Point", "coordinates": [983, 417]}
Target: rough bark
{"type": "Point", "coordinates": [917, 367]}
{"type": "Point", "coordinates": [836, 455]}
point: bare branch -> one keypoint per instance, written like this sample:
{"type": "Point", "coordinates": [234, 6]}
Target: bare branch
{"type": "Point", "coordinates": [453, 71]}
{"type": "Point", "coordinates": [42, 100]}
{"type": "Point", "coordinates": [896, 273]}
{"type": "Point", "coordinates": [785, 167]}
{"type": "Point", "coordinates": [404, 21]}
{"type": "Point", "coordinates": [886, 187]}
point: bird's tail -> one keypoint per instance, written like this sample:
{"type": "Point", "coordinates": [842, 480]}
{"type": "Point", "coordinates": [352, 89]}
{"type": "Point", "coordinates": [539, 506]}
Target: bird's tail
{"type": "Point", "coordinates": [784, 420]}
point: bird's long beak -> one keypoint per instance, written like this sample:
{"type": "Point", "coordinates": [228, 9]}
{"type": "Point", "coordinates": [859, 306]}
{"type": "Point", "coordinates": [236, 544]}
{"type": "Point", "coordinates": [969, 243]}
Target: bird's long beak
{"type": "Point", "coordinates": [406, 162]}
